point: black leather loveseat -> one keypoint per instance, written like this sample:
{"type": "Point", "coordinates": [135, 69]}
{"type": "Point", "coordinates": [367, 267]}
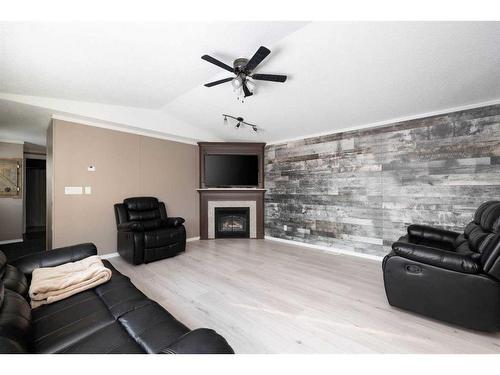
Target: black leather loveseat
{"type": "Point", "coordinates": [449, 276]}
{"type": "Point", "coordinates": [114, 317]}
{"type": "Point", "coordinates": [145, 232]}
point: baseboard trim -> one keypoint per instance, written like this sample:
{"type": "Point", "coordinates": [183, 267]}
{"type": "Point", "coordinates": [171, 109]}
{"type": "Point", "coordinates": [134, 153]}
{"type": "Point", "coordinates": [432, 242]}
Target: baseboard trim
{"type": "Point", "coordinates": [326, 248]}
{"type": "Point", "coordinates": [11, 241]}
{"type": "Point", "coordinates": [191, 239]}
{"type": "Point", "coordinates": [109, 256]}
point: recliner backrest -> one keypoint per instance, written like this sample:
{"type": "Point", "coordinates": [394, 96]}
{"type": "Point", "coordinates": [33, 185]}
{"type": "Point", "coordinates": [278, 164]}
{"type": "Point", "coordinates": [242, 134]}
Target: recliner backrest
{"type": "Point", "coordinates": [483, 228]}
{"type": "Point", "coordinates": [483, 237]}
{"type": "Point", "coordinates": [140, 209]}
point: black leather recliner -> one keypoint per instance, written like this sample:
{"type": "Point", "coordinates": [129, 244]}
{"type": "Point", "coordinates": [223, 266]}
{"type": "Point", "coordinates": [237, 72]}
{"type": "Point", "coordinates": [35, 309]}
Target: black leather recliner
{"type": "Point", "coordinates": [145, 232]}
{"type": "Point", "coordinates": [114, 317]}
{"type": "Point", "coordinates": [449, 276]}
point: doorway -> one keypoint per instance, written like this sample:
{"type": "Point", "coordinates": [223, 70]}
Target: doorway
{"type": "Point", "coordinates": [35, 198]}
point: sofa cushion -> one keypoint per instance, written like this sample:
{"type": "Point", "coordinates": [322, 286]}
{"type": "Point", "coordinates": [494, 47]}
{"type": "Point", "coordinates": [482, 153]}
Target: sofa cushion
{"type": "Point", "coordinates": [111, 339]}
{"type": "Point", "coordinates": [64, 323]}
{"type": "Point", "coordinates": [152, 327]}
{"type": "Point", "coordinates": [121, 296]}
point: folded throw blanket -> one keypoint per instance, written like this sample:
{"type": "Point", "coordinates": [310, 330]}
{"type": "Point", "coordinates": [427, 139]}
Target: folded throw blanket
{"type": "Point", "coordinates": [51, 284]}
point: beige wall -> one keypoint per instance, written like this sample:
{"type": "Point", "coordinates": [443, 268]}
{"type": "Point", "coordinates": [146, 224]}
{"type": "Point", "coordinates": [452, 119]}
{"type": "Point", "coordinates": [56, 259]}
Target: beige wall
{"type": "Point", "coordinates": [127, 165]}
{"type": "Point", "coordinates": [50, 188]}
{"type": "Point", "coordinates": [11, 209]}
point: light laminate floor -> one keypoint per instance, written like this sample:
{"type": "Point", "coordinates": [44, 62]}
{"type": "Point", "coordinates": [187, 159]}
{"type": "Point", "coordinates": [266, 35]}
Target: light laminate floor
{"type": "Point", "coordinates": [268, 297]}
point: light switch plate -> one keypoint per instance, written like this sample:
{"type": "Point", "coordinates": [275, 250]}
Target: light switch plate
{"type": "Point", "coordinates": [88, 190]}
{"type": "Point", "coordinates": [72, 190]}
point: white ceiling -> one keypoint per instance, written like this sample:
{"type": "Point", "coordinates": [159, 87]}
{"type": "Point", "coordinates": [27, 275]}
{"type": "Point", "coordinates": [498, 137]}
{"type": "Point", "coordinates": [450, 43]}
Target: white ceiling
{"type": "Point", "coordinates": [150, 76]}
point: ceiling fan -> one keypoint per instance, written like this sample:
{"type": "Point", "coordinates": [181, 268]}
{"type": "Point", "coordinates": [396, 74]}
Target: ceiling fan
{"type": "Point", "coordinates": [243, 69]}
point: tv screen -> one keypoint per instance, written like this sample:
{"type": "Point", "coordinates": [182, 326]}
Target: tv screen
{"type": "Point", "coordinates": [231, 170]}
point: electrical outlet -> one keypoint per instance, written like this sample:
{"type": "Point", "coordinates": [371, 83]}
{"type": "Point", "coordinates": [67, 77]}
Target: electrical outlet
{"type": "Point", "coordinates": [285, 228]}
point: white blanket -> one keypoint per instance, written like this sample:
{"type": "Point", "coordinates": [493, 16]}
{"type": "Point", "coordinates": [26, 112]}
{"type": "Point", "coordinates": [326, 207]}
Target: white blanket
{"type": "Point", "coordinates": [51, 284]}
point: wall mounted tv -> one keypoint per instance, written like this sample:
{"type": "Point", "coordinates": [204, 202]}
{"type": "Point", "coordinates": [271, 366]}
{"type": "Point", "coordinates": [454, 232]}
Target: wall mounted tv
{"type": "Point", "coordinates": [231, 171]}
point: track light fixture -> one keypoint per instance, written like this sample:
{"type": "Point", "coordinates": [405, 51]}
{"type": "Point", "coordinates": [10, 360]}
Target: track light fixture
{"type": "Point", "coordinates": [239, 122]}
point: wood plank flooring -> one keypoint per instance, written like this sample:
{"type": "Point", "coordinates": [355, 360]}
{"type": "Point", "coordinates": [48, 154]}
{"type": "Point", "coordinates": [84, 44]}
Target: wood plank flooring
{"type": "Point", "coordinates": [268, 297]}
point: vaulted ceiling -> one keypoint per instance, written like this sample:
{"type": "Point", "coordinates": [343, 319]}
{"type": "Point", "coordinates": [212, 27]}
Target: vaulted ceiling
{"type": "Point", "coordinates": [150, 77]}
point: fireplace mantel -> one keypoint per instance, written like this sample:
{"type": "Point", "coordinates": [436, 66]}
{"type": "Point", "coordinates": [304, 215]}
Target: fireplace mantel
{"type": "Point", "coordinates": [211, 198]}
{"type": "Point", "coordinates": [253, 197]}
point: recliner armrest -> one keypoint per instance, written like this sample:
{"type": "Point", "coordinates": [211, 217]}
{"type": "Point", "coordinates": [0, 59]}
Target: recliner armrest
{"type": "Point", "coordinates": [52, 258]}
{"type": "Point", "coordinates": [432, 234]}
{"type": "Point", "coordinates": [174, 221]}
{"type": "Point", "coordinates": [199, 341]}
{"type": "Point", "coordinates": [436, 257]}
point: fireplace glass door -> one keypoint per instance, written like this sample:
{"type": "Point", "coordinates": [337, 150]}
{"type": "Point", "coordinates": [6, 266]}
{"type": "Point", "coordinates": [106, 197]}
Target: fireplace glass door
{"type": "Point", "coordinates": [232, 222]}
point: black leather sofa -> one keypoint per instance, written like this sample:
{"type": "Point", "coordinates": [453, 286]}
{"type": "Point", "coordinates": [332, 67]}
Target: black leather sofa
{"type": "Point", "coordinates": [447, 275]}
{"type": "Point", "coordinates": [114, 317]}
{"type": "Point", "coordinates": [145, 232]}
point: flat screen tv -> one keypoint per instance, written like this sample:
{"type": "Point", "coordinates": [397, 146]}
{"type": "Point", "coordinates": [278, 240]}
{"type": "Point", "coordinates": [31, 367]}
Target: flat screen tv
{"type": "Point", "coordinates": [231, 170]}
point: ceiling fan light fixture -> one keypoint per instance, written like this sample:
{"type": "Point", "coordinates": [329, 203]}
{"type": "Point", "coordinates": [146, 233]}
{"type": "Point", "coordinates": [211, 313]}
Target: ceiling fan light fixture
{"type": "Point", "coordinates": [251, 85]}
{"type": "Point", "coordinates": [236, 83]}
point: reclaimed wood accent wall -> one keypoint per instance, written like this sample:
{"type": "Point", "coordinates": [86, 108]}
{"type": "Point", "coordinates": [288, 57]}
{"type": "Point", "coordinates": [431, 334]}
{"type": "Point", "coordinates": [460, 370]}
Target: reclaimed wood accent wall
{"type": "Point", "coordinates": [359, 190]}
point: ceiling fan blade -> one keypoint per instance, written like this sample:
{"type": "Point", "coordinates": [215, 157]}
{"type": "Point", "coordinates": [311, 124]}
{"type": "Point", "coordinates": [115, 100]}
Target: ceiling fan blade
{"type": "Point", "coordinates": [218, 82]}
{"type": "Point", "coordinates": [214, 61]}
{"type": "Point", "coordinates": [246, 91]}
{"type": "Point", "coordinates": [270, 77]}
{"type": "Point", "coordinates": [257, 58]}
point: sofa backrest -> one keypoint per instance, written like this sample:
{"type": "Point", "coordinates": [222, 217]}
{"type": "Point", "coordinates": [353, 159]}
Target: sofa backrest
{"type": "Point", "coordinates": [15, 322]}
{"type": "Point", "coordinates": [3, 263]}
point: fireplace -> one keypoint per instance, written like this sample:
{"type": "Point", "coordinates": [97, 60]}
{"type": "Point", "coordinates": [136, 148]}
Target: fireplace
{"type": "Point", "coordinates": [232, 222]}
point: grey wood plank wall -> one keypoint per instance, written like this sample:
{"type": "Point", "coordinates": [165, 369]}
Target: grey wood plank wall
{"type": "Point", "coordinates": [359, 190]}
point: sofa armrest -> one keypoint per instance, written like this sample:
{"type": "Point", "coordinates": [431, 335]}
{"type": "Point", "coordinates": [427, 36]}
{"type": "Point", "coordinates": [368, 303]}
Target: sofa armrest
{"type": "Point", "coordinates": [172, 222]}
{"type": "Point", "coordinates": [427, 233]}
{"type": "Point", "coordinates": [199, 341]}
{"type": "Point", "coordinates": [130, 226]}
{"type": "Point", "coordinates": [436, 257]}
{"type": "Point", "coordinates": [52, 258]}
